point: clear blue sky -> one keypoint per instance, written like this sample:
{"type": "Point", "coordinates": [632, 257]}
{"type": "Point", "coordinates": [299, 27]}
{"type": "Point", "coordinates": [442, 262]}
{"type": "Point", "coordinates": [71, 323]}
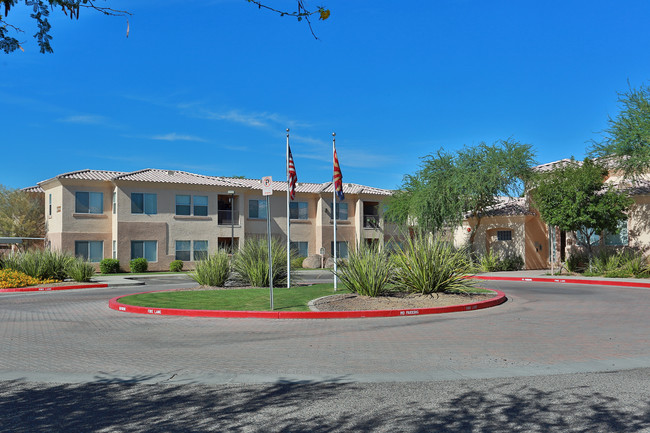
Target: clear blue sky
{"type": "Point", "coordinates": [210, 86]}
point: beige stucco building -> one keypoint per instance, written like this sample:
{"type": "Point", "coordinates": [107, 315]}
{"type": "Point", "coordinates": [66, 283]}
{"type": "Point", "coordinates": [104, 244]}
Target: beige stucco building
{"type": "Point", "coordinates": [164, 215]}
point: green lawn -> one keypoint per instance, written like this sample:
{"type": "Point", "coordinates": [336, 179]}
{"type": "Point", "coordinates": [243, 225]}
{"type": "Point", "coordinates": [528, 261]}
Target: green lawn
{"type": "Point", "coordinates": [253, 299]}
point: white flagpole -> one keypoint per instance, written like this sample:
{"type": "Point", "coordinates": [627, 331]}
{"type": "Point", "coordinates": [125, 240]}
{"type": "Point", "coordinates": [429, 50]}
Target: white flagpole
{"type": "Point", "coordinates": [288, 219]}
{"type": "Point", "coordinates": [334, 209]}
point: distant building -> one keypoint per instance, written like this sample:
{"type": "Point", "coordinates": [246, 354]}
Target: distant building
{"type": "Point", "coordinates": [164, 215]}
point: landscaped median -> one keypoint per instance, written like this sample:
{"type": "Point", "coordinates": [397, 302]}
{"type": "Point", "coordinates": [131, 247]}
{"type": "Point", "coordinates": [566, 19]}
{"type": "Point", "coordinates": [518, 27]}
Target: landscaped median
{"type": "Point", "coordinates": [254, 303]}
{"type": "Point", "coordinates": [49, 288]}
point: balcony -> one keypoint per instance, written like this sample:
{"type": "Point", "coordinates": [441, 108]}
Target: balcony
{"type": "Point", "coordinates": [371, 222]}
{"type": "Point", "coordinates": [227, 217]}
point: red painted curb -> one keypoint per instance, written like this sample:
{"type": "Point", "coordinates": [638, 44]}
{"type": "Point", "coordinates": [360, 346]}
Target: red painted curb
{"type": "Point", "coordinates": [116, 305]}
{"type": "Point", "coordinates": [564, 280]}
{"type": "Point", "coordinates": [49, 289]}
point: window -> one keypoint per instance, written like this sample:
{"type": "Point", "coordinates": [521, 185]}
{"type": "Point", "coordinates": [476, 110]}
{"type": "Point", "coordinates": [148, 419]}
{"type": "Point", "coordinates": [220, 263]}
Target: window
{"type": "Point", "coordinates": [298, 210]}
{"type": "Point", "coordinates": [504, 235]}
{"type": "Point", "coordinates": [300, 248]}
{"type": "Point", "coordinates": [227, 212]}
{"type": "Point", "coordinates": [341, 249]}
{"type": "Point", "coordinates": [341, 210]}
{"type": "Point", "coordinates": [619, 238]}
{"type": "Point", "coordinates": [183, 250]}
{"type": "Point", "coordinates": [142, 203]}
{"type": "Point", "coordinates": [183, 204]}
{"type": "Point", "coordinates": [146, 249]}
{"type": "Point", "coordinates": [200, 250]}
{"type": "Point", "coordinates": [49, 209]}
{"type": "Point", "coordinates": [594, 239]}
{"type": "Point", "coordinates": [200, 205]}
{"type": "Point", "coordinates": [89, 202]}
{"type": "Point", "coordinates": [257, 209]}
{"type": "Point", "coordinates": [89, 250]}
{"type": "Point", "coordinates": [114, 202]}
{"type": "Point", "coordinates": [114, 249]}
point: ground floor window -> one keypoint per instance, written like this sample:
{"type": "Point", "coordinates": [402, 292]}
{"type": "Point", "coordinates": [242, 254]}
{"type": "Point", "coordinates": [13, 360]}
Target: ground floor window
{"type": "Point", "coordinates": [200, 250]}
{"type": "Point", "coordinates": [341, 249]}
{"type": "Point", "coordinates": [225, 244]}
{"type": "Point", "coordinates": [504, 235]}
{"type": "Point", "coordinates": [89, 250]}
{"type": "Point", "coordinates": [618, 238]}
{"type": "Point", "coordinates": [300, 248]}
{"type": "Point", "coordinates": [183, 250]}
{"type": "Point", "coordinates": [145, 249]}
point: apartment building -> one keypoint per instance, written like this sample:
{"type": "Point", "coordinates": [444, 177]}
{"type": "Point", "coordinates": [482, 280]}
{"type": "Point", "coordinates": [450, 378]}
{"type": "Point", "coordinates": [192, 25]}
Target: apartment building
{"type": "Point", "coordinates": [164, 215]}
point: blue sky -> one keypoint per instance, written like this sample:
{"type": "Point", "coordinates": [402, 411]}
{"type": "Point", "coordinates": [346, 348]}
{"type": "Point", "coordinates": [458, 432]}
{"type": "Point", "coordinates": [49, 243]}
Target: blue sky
{"type": "Point", "coordinates": [210, 86]}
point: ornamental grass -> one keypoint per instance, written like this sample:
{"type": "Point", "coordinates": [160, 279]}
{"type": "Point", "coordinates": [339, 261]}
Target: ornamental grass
{"type": "Point", "coordinates": [252, 262]}
{"type": "Point", "coordinates": [213, 271]}
{"type": "Point", "coordinates": [367, 271]}
{"type": "Point", "coordinates": [10, 279]}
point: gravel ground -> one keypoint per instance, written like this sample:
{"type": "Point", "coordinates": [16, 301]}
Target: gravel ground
{"type": "Point", "coordinates": [352, 302]}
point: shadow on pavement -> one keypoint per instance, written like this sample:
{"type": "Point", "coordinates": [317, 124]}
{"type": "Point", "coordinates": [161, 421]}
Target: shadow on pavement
{"type": "Point", "coordinates": [298, 407]}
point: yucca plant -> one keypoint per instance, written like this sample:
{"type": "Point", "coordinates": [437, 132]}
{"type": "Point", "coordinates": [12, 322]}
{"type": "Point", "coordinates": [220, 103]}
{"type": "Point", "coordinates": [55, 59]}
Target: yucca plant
{"type": "Point", "coordinates": [213, 271]}
{"type": "Point", "coordinates": [367, 271]}
{"type": "Point", "coordinates": [252, 262]}
{"type": "Point", "coordinates": [428, 264]}
{"type": "Point", "coordinates": [80, 270]}
{"type": "Point", "coordinates": [489, 262]}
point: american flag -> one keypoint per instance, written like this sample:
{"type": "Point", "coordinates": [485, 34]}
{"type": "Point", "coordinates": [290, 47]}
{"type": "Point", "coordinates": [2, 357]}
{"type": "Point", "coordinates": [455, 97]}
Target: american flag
{"type": "Point", "coordinates": [338, 177]}
{"type": "Point", "coordinates": [292, 177]}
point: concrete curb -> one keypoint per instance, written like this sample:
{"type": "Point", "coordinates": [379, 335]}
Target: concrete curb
{"type": "Point", "coordinates": [49, 289]}
{"type": "Point", "coordinates": [564, 280]}
{"type": "Point", "coordinates": [116, 305]}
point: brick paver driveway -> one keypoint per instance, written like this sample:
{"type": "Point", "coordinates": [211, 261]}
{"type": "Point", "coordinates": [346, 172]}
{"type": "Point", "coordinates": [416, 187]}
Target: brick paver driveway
{"type": "Point", "coordinates": [543, 328]}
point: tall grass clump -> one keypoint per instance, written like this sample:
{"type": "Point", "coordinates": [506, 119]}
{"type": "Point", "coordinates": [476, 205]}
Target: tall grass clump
{"type": "Point", "coordinates": [80, 270]}
{"type": "Point", "coordinates": [41, 264]}
{"type": "Point", "coordinates": [251, 263]}
{"type": "Point", "coordinates": [213, 271]}
{"type": "Point", "coordinates": [428, 264]}
{"type": "Point", "coordinates": [367, 271]}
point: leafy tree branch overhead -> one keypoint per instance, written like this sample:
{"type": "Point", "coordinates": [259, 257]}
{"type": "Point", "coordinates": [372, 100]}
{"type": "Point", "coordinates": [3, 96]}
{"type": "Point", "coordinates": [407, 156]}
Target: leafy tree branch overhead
{"type": "Point", "coordinates": [41, 10]}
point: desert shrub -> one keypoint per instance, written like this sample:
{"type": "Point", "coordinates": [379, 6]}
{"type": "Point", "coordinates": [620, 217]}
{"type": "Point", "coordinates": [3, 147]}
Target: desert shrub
{"type": "Point", "coordinates": [297, 262]}
{"type": "Point", "coordinates": [213, 271]}
{"type": "Point", "coordinates": [637, 265]}
{"type": "Point", "coordinates": [488, 262]}
{"type": "Point", "coordinates": [176, 266]}
{"type": "Point", "coordinates": [576, 262]}
{"type": "Point", "coordinates": [429, 264]}
{"type": "Point", "coordinates": [251, 262]}
{"type": "Point", "coordinates": [80, 270]}
{"type": "Point", "coordinates": [139, 265]}
{"type": "Point", "coordinates": [109, 266]}
{"type": "Point", "coordinates": [511, 262]}
{"type": "Point", "coordinates": [41, 264]}
{"type": "Point", "coordinates": [367, 271]}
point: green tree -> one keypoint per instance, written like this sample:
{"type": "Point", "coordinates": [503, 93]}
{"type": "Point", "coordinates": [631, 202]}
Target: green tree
{"type": "Point", "coordinates": [627, 139]}
{"type": "Point", "coordinates": [574, 198]}
{"type": "Point", "coordinates": [72, 8]}
{"type": "Point", "coordinates": [450, 185]}
{"type": "Point", "coordinates": [22, 214]}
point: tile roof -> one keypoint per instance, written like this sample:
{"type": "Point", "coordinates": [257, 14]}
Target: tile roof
{"type": "Point", "coordinates": [175, 176]}
{"type": "Point", "coordinates": [88, 174]}
{"type": "Point", "coordinates": [507, 207]}
{"type": "Point", "coordinates": [35, 188]}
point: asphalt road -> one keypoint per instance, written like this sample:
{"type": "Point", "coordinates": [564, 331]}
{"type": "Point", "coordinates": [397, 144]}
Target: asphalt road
{"type": "Point", "coordinates": [555, 357]}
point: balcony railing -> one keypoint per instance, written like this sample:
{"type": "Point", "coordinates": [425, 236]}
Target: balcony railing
{"type": "Point", "coordinates": [228, 217]}
{"type": "Point", "coordinates": [371, 221]}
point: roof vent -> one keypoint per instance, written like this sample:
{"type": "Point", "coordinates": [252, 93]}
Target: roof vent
{"type": "Point", "coordinates": [171, 172]}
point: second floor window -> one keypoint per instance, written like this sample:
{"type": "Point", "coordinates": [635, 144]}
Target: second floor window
{"type": "Point", "coordinates": [257, 209]}
{"type": "Point", "coordinates": [341, 210]}
{"type": "Point", "coordinates": [196, 205]}
{"type": "Point", "coordinates": [89, 202]}
{"type": "Point", "coordinates": [142, 203]}
{"type": "Point", "coordinates": [299, 210]}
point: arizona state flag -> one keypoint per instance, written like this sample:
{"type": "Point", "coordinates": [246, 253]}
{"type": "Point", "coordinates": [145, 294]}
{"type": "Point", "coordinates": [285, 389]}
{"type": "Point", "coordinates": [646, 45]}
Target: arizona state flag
{"type": "Point", "coordinates": [338, 177]}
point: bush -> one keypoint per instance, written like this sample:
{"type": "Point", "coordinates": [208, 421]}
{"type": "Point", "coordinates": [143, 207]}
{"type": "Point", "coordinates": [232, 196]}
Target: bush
{"type": "Point", "coordinates": [492, 263]}
{"type": "Point", "coordinates": [109, 266]}
{"type": "Point", "coordinates": [80, 270]}
{"type": "Point", "coordinates": [213, 271]}
{"type": "Point", "coordinates": [488, 262]}
{"type": "Point", "coordinates": [138, 265]}
{"type": "Point", "coordinates": [41, 264]}
{"type": "Point", "coordinates": [176, 266]}
{"type": "Point", "coordinates": [367, 271]}
{"type": "Point", "coordinates": [428, 264]}
{"type": "Point", "coordinates": [297, 262]}
{"type": "Point", "coordinates": [576, 262]}
{"type": "Point", "coordinates": [252, 262]}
